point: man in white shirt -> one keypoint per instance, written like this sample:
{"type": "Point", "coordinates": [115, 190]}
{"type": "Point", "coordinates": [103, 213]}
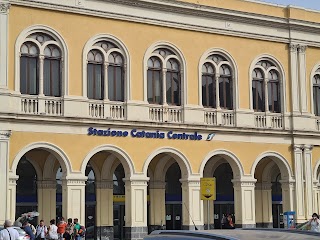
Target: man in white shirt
{"type": "Point", "coordinates": [8, 233]}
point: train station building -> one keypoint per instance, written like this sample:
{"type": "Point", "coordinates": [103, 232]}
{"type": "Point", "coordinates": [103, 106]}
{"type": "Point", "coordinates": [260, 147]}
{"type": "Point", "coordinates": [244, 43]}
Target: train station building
{"type": "Point", "coordinates": [112, 111]}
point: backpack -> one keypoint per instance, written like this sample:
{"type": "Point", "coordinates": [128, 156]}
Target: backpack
{"type": "Point", "coordinates": [82, 231]}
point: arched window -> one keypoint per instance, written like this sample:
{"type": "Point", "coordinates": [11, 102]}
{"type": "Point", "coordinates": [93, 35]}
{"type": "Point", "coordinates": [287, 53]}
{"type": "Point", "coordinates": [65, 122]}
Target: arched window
{"type": "Point", "coordinates": [40, 66]}
{"type": "Point", "coordinates": [154, 81]}
{"type": "Point", "coordinates": [258, 94]}
{"type": "Point", "coordinates": [52, 71]}
{"type": "Point", "coordinates": [217, 83]}
{"type": "Point", "coordinates": [95, 73]}
{"type": "Point", "coordinates": [266, 87]}
{"type": "Point", "coordinates": [316, 93]}
{"type": "Point", "coordinates": [164, 78]}
{"type": "Point", "coordinates": [29, 69]}
{"type": "Point", "coordinates": [208, 86]}
{"type": "Point", "coordinates": [106, 72]}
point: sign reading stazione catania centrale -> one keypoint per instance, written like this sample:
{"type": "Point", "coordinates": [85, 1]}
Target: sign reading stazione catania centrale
{"type": "Point", "coordinates": [135, 133]}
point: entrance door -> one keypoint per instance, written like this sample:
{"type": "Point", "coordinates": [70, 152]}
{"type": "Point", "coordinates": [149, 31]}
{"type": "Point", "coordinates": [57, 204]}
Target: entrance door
{"type": "Point", "coordinates": [118, 221]}
{"type": "Point", "coordinates": [277, 215]}
{"type": "Point", "coordinates": [219, 210]}
{"type": "Point", "coordinates": [173, 216]}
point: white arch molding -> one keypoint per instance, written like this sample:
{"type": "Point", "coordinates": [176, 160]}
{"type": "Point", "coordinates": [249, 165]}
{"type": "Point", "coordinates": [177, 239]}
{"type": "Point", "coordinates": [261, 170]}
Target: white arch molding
{"type": "Point", "coordinates": [234, 69]}
{"type": "Point", "coordinates": [118, 152]}
{"type": "Point", "coordinates": [281, 71]}
{"type": "Point", "coordinates": [36, 167]}
{"type": "Point", "coordinates": [57, 152]}
{"type": "Point", "coordinates": [316, 174]}
{"type": "Point", "coordinates": [280, 161]}
{"type": "Point", "coordinates": [231, 158]}
{"type": "Point", "coordinates": [123, 50]}
{"type": "Point", "coordinates": [181, 159]}
{"type": "Point", "coordinates": [313, 72]}
{"type": "Point", "coordinates": [61, 44]}
{"type": "Point", "coordinates": [183, 70]}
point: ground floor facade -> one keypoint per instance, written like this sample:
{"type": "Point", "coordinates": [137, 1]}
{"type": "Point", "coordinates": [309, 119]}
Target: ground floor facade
{"type": "Point", "coordinates": [122, 181]}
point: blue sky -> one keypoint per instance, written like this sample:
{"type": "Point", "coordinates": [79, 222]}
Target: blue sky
{"type": "Point", "coordinates": [312, 4]}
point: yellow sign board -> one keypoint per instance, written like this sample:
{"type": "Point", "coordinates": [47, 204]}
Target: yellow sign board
{"type": "Point", "coordinates": [208, 188]}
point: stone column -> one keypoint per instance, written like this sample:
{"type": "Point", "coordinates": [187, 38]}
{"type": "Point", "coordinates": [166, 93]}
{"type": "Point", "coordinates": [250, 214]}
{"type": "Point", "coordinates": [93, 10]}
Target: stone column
{"type": "Point", "coordinates": [299, 186]}
{"type": "Point", "coordinates": [157, 206]}
{"type": "Point", "coordinates": [192, 206]}
{"type": "Point", "coordinates": [73, 198]}
{"type": "Point", "coordinates": [136, 226]}
{"type": "Point", "coordinates": [308, 177]}
{"type": "Point", "coordinates": [316, 196]}
{"type": "Point", "coordinates": [244, 202]}
{"type": "Point", "coordinates": [47, 200]}
{"type": "Point", "coordinates": [104, 210]}
{"type": "Point", "coordinates": [288, 196]}
{"type": "Point", "coordinates": [294, 77]}
{"type": "Point", "coordinates": [263, 196]}
{"type": "Point", "coordinates": [11, 197]}
{"type": "Point", "coordinates": [4, 17]}
{"type": "Point", "coordinates": [4, 168]}
{"type": "Point", "coordinates": [302, 79]}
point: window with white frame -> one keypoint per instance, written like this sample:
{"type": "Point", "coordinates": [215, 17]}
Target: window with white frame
{"type": "Point", "coordinates": [266, 87]}
{"type": "Point", "coordinates": [40, 66]}
{"type": "Point", "coordinates": [105, 72]}
{"type": "Point", "coordinates": [217, 83]}
{"type": "Point", "coordinates": [316, 92]}
{"type": "Point", "coordinates": [164, 78]}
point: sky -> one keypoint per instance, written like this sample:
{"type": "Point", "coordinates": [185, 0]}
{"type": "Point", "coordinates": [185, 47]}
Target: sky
{"type": "Point", "coordinates": [311, 4]}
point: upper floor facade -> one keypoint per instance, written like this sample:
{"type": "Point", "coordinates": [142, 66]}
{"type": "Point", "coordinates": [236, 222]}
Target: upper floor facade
{"type": "Point", "coordinates": [177, 62]}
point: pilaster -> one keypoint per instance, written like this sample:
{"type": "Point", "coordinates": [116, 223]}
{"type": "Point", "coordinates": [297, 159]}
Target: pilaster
{"type": "Point", "coordinates": [263, 196]}
{"type": "Point", "coordinates": [299, 186]}
{"type": "Point", "coordinates": [11, 197]}
{"type": "Point", "coordinates": [4, 167]}
{"type": "Point", "coordinates": [244, 202]}
{"type": "Point", "coordinates": [157, 205]}
{"type": "Point", "coordinates": [104, 190]}
{"type": "Point", "coordinates": [302, 78]}
{"type": "Point", "coordinates": [308, 176]}
{"type": "Point", "coordinates": [294, 77]}
{"type": "Point", "coordinates": [73, 198]}
{"type": "Point", "coordinates": [316, 196]}
{"type": "Point", "coordinates": [192, 208]}
{"type": "Point", "coordinates": [47, 199]}
{"type": "Point", "coordinates": [136, 208]}
{"type": "Point", "coordinates": [288, 196]}
{"type": "Point", "coordinates": [4, 21]}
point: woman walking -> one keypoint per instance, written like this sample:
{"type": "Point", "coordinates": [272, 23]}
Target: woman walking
{"type": "Point", "coordinates": [53, 230]}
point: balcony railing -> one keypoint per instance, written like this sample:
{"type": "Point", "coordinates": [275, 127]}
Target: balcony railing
{"type": "Point", "coordinates": [268, 120]}
{"type": "Point", "coordinates": [210, 117]}
{"type": "Point", "coordinates": [117, 111]}
{"type": "Point", "coordinates": [318, 124]}
{"type": "Point", "coordinates": [29, 105]}
{"type": "Point", "coordinates": [228, 118]}
{"type": "Point", "coordinates": [54, 106]}
{"type": "Point", "coordinates": [260, 120]}
{"type": "Point", "coordinates": [96, 109]}
{"type": "Point", "coordinates": [165, 114]}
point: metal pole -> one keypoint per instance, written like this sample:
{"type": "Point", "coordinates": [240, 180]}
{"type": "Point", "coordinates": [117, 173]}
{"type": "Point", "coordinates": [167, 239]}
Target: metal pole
{"type": "Point", "coordinates": [208, 217]}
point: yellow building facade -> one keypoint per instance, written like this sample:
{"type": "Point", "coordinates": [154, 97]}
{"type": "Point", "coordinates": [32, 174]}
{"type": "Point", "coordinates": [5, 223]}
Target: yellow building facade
{"type": "Point", "coordinates": [112, 111]}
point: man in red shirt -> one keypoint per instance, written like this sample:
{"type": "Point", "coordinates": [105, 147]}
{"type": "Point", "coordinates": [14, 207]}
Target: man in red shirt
{"type": "Point", "coordinates": [61, 228]}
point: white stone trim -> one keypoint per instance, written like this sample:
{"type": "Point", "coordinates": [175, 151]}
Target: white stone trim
{"type": "Point", "coordinates": [60, 155]}
{"type": "Point", "coordinates": [313, 72]}
{"type": "Point", "coordinates": [316, 175]}
{"type": "Point", "coordinates": [282, 80]}
{"type": "Point", "coordinates": [285, 169]}
{"type": "Point", "coordinates": [124, 52]}
{"type": "Point", "coordinates": [124, 157]}
{"type": "Point", "coordinates": [59, 42]}
{"type": "Point", "coordinates": [234, 68]}
{"type": "Point", "coordinates": [231, 158]}
{"type": "Point", "coordinates": [183, 69]}
{"type": "Point", "coordinates": [182, 160]}
{"type": "Point", "coordinates": [4, 46]}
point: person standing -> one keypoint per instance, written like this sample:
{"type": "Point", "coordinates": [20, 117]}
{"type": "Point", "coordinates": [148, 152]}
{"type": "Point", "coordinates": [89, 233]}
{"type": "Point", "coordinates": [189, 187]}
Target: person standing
{"type": "Point", "coordinates": [41, 230]}
{"type": "Point", "coordinates": [8, 233]}
{"type": "Point", "coordinates": [69, 230]}
{"type": "Point", "coordinates": [314, 222]}
{"type": "Point", "coordinates": [53, 230]}
{"type": "Point", "coordinates": [77, 228]}
{"type": "Point", "coordinates": [61, 228]}
{"type": "Point", "coordinates": [26, 227]}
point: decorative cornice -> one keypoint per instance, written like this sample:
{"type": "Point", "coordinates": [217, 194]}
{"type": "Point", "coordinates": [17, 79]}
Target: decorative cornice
{"type": "Point", "coordinates": [302, 48]}
{"type": "Point", "coordinates": [46, 184]}
{"type": "Point", "coordinates": [263, 186]}
{"type": "Point", "coordinates": [157, 185]}
{"type": "Point", "coordinates": [244, 183]}
{"type": "Point", "coordinates": [104, 185]}
{"type": "Point", "coordinates": [5, 134]}
{"type": "Point", "coordinates": [4, 8]}
{"type": "Point", "coordinates": [293, 47]}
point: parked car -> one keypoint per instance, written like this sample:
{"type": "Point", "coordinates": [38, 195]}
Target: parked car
{"type": "Point", "coordinates": [22, 234]}
{"type": "Point", "coordinates": [185, 235]}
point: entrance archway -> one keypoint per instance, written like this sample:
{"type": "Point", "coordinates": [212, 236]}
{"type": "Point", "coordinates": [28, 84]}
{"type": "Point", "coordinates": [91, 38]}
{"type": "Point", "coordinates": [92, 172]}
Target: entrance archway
{"type": "Point", "coordinates": [272, 193]}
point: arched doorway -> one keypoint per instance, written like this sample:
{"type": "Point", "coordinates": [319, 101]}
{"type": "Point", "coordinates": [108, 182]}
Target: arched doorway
{"type": "Point", "coordinates": [119, 202]}
{"type": "Point", "coordinates": [90, 202]}
{"type": "Point", "coordinates": [272, 195]}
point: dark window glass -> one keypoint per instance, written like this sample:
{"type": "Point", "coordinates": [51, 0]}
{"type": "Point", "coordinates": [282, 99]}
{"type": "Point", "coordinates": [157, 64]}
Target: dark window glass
{"type": "Point", "coordinates": [118, 183]}
{"type": "Point", "coordinates": [208, 86]}
{"type": "Point", "coordinates": [95, 87]}
{"type": "Point", "coordinates": [316, 94]}
{"type": "Point", "coordinates": [29, 80]}
{"type": "Point", "coordinates": [258, 93]}
{"type": "Point", "coordinates": [52, 72]}
{"type": "Point", "coordinates": [173, 83]}
{"type": "Point", "coordinates": [173, 184]}
{"type": "Point", "coordinates": [274, 92]}
{"type": "Point", "coordinates": [225, 88]}
{"type": "Point", "coordinates": [90, 189]}
{"type": "Point", "coordinates": [115, 78]}
{"type": "Point", "coordinates": [154, 81]}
